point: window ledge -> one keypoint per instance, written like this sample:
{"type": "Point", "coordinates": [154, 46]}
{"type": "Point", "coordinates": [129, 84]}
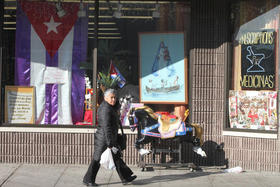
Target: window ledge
{"type": "Point", "coordinates": [55, 130]}
{"type": "Point", "coordinates": [250, 134]}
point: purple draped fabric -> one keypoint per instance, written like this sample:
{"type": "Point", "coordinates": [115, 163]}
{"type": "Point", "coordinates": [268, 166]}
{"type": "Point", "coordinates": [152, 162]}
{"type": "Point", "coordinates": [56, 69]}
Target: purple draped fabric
{"type": "Point", "coordinates": [79, 54]}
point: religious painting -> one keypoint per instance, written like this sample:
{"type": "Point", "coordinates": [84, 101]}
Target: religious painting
{"type": "Point", "coordinates": [258, 60]}
{"type": "Point", "coordinates": [162, 68]}
{"type": "Point", "coordinates": [253, 110]}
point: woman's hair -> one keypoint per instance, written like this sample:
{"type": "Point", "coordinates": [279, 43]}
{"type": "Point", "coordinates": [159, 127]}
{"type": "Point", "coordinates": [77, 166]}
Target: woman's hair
{"type": "Point", "coordinates": [109, 91]}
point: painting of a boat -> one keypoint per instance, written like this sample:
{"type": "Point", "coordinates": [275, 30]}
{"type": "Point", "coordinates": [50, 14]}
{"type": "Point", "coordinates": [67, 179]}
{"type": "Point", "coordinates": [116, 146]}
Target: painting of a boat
{"type": "Point", "coordinates": [163, 76]}
{"type": "Point", "coordinates": [162, 89]}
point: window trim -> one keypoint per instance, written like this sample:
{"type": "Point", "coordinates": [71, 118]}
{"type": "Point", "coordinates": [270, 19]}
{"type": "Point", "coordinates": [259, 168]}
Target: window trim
{"type": "Point", "coordinates": [249, 134]}
{"type": "Point", "coordinates": [227, 131]}
{"type": "Point", "coordinates": [56, 130]}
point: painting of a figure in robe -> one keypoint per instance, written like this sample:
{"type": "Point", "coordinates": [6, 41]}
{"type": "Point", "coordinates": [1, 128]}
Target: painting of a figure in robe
{"type": "Point", "coordinates": [162, 68]}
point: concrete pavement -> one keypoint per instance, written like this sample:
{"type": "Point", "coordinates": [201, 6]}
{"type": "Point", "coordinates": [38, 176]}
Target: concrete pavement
{"type": "Point", "coordinates": [31, 175]}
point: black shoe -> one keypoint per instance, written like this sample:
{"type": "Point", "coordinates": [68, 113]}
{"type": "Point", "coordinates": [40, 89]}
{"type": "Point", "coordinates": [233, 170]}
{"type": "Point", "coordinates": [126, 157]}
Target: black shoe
{"type": "Point", "coordinates": [130, 179]}
{"type": "Point", "coordinates": [90, 183]}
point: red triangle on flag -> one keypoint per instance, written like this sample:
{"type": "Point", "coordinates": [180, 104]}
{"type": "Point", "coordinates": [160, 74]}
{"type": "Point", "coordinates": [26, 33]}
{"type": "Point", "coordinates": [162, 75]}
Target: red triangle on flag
{"type": "Point", "coordinates": [50, 28]}
{"type": "Point", "coordinates": [112, 69]}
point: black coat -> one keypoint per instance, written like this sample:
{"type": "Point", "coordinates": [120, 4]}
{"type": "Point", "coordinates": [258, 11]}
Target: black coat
{"type": "Point", "coordinates": [107, 129]}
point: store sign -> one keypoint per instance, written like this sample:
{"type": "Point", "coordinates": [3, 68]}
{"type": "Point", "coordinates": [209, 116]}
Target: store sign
{"type": "Point", "coordinates": [19, 104]}
{"type": "Point", "coordinates": [258, 60]}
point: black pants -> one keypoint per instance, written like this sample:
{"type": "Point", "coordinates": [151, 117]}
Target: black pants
{"type": "Point", "coordinates": [123, 170]}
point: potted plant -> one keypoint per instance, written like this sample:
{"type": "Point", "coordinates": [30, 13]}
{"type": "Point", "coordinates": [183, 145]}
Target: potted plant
{"type": "Point", "coordinates": [105, 81]}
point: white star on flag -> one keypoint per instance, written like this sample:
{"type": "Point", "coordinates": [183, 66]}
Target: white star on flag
{"type": "Point", "coordinates": [52, 25]}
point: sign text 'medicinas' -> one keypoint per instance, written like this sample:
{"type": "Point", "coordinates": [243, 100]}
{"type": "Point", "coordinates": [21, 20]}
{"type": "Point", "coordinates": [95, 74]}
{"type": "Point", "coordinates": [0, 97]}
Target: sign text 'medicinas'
{"type": "Point", "coordinates": [258, 60]}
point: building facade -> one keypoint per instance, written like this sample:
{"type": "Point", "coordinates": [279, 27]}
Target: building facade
{"type": "Point", "coordinates": [231, 77]}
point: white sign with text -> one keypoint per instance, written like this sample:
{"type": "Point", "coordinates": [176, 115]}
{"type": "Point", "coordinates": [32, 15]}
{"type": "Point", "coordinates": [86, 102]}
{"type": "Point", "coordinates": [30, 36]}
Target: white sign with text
{"type": "Point", "coordinates": [54, 75]}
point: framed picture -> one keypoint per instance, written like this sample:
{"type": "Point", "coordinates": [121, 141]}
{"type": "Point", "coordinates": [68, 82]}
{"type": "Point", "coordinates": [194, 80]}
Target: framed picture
{"type": "Point", "coordinates": [20, 104]}
{"type": "Point", "coordinates": [163, 76]}
{"type": "Point", "coordinates": [255, 110]}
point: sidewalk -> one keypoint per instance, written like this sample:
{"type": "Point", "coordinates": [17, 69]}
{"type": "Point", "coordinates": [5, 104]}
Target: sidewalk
{"type": "Point", "coordinates": [30, 175]}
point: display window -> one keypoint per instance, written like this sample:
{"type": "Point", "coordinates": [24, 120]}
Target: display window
{"type": "Point", "coordinates": [48, 58]}
{"type": "Point", "coordinates": [253, 75]}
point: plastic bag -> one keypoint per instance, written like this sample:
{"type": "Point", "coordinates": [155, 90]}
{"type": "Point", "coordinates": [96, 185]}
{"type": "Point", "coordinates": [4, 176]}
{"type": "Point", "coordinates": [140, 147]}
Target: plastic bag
{"type": "Point", "coordinates": [237, 169]}
{"type": "Point", "coordinates": [107, 159]}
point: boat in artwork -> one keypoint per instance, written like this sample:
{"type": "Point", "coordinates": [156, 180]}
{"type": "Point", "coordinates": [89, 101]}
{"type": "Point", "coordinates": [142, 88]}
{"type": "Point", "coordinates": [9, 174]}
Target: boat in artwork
{"type": "Point", "coordinates": [162, 89]}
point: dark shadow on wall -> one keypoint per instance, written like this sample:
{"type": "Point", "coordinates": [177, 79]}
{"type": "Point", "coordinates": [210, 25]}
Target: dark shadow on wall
{"type": "Point", "coordinates": [215, 155]}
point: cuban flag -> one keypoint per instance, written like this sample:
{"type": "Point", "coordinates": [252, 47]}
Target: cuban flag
{"type": "Point", "coordinates": [115, 73]}
{"type": "Point", "coordinates": [49, 49]}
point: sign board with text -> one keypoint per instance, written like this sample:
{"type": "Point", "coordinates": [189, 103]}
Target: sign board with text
{"type": "Point", "coordinates": [20, 104]}
{"type": "Point", "coordinates": [258, 60]}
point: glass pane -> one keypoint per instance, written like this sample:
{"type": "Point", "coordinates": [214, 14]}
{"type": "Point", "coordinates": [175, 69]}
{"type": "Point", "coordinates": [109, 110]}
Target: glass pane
{"type": "Point", "coordinates": [47, 69]}
{"type": "Point", "coordinates": [253, 95]}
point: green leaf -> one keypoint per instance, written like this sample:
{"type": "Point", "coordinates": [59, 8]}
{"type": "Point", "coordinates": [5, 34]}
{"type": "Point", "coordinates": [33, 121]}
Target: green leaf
{"type": "Point", "coordinates": [107, 81]}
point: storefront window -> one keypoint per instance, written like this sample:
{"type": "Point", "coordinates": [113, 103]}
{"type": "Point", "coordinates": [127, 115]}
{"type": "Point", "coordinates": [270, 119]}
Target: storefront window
{"type": "Point", "coordinates": [47, 69]}
{"type": "Point", "coordinates": [253, 89]}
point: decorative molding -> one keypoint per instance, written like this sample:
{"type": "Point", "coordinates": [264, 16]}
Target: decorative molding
{"type": "Point", "coordinates": [55, 130]}
{"type": "Point", "coordinates": [250, 134]}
